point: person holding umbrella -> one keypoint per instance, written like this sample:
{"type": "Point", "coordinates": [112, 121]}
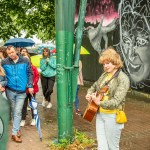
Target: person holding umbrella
{"type": "Point", "coordinates": [29, 96]}
{"type": "Point", "coordinates": [19, 75]}
{"type": "Point", "coordinates": [48, 72]}
{"type": "Point", "coordinates": [24, 51]}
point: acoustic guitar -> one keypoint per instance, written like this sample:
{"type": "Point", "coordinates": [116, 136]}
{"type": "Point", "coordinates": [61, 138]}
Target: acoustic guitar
{"type": "Point", "coordinates": [92, 108]}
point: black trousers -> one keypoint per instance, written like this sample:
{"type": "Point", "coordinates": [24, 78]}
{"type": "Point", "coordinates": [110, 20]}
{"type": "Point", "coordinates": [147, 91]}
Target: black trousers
{"type": "Point", "coordinates": [47, 86]}
{"type": "Point", "coordinates": [24, 109]}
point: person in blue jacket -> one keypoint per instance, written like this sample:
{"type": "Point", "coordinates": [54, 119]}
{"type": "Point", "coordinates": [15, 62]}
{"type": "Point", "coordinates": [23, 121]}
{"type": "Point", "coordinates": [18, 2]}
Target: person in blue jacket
{"type": "Point", "coordinates": [19, 76]}
{"type": "Point", "coordinates": [48, 72]}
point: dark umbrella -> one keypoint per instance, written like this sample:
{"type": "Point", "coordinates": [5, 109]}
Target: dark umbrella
{"type": "Point", "coordinates": [20, 42]}
{"type": "Point", "coordinates": [31, 52]}
{"type": "Point", "coordinates": [34, 106]}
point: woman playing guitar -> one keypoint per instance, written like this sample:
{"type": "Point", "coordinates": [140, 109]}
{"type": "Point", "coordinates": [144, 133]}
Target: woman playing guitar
{"type": "Point", "coordinates": [107, 130]}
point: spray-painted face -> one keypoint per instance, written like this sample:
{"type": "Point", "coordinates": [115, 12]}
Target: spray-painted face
{"type": "Point", "coordinates": [135, 38]}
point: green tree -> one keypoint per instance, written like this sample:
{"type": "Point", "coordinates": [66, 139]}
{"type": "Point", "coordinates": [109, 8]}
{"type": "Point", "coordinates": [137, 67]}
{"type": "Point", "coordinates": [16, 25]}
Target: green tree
{"type": "Point", "coordinates": [34, 17]}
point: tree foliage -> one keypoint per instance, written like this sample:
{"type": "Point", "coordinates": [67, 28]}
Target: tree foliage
{"type": "Point", "coordinates": [34, 17]}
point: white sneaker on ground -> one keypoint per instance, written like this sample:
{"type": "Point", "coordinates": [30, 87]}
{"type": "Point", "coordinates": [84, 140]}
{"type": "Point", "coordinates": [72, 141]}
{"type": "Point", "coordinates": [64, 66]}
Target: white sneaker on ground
{"type": "Point", "coordinates": [49, 105]}
{"type": "Point", "coordinates": [22, 123]}
{"type": "Point", "coordinates": [33, 123]}
{"type": "Point", "coordinates": [43, 102]}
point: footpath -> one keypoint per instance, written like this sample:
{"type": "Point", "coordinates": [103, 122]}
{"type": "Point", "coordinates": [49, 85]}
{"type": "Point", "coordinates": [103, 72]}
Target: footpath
{"type": "Point", "coordinates": [135, 136]}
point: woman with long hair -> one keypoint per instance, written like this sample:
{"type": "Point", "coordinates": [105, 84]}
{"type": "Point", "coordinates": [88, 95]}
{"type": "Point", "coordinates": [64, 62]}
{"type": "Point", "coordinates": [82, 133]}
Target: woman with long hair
{"type": "Point", "coordinates": [48, 72]}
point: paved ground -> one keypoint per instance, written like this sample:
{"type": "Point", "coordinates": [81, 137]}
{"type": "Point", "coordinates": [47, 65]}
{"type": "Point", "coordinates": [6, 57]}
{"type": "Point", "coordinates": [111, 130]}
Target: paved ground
{"type": "Point", "coordinates": [135, 136]}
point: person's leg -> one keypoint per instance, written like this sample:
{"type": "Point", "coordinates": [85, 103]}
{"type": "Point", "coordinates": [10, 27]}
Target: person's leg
{"type": "Point", "coordinates": [18, 112]}
{"type": "Point", "coordinates": [17, 101]}
{"type": "Point", "coordinates": [11, 97]}
{"type": "Point", "coordinates": [101, 132]}
{"type": "Point", "coordinates": [49, 91]}
{"type": "Point", "coordinates": [44, 83]}
{"type": "Point", "coordinates": [24, 109]}
{"type": "Point", "coordinates": [113, 131]}
{"type": "Point", "coordinates": [33, 123]}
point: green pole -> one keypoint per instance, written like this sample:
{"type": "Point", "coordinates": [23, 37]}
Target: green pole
{"type": "Point", "coordinates": [79, 34]}
{"type": "Point", "coordinates": [65, 10]}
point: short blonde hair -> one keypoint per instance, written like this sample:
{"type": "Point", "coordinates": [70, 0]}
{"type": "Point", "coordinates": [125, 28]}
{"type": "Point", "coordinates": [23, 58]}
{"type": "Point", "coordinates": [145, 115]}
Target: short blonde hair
{"type": "Point", "coordinates": [110, 55]}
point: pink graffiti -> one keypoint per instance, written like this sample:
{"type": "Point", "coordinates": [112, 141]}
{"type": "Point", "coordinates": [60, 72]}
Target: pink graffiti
{"type": "Point", "coordinates": [98, 8]}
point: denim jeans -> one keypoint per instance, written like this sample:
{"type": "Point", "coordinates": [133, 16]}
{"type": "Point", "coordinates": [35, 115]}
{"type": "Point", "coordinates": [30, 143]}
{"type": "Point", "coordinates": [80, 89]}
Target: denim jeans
{"type": "Point", "coordinates": [76, 103]}
{"type": "Point", "coordinates": [108, 131]}
{"type": "Point", "coordinates": [16, 101]}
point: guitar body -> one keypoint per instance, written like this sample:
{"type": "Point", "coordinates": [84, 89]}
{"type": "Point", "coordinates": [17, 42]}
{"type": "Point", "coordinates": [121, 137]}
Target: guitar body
{"type": "Point", "coordinates": [92, 108]}
{"type": "Point", "coordinates": [90, 111]}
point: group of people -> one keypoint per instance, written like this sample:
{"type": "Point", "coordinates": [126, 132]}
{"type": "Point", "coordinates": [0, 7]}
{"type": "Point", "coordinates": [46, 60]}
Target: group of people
{"type": "Point", "coordinates": [19, 78]}
{"type": "Point", "coordinates": [19, 83]}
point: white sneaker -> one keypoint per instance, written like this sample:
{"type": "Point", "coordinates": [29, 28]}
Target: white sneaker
{"type": "Point", "coordinates": [22, 123]}
{"type": "Point", "coordinates": [49, 105]}
{"type": "Point", "coordinates": [33, 123]}
{"type": "Point", "coordinates": [43, 102]}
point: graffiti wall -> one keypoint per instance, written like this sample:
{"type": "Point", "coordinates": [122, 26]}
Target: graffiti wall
{"type": "Point", "coordinates": [125, 25]}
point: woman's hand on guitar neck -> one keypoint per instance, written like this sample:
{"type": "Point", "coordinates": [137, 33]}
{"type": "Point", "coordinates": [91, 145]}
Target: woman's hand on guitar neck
{"type": "Point", "coordinates": [96, 98]}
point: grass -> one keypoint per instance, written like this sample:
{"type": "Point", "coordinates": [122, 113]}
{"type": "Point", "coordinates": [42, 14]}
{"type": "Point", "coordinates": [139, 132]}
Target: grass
{"type": "Point", "coordinates": [81, 142]}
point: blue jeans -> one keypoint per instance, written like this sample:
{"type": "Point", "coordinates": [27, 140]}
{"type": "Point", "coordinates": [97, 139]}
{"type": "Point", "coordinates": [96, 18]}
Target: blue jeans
{"type": "Point", "coordinates": [16, 101]}
{"type": "Point", "coordinates": [108, 131]}
{"type": "Point", "coordinates": [76, 103]}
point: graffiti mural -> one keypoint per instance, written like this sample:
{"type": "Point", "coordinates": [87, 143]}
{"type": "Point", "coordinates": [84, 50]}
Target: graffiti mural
{"type": "Point", "coordinates": [135, 40]}
{"type": "Point", "coordinates": [131, 20]}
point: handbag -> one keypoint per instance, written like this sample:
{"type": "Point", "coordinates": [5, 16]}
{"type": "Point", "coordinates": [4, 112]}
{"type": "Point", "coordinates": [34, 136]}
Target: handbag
{"type": "Point", "coordinates": [121, 116]}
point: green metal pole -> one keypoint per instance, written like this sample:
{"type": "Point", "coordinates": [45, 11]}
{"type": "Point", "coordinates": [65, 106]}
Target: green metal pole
{"type": "Point", "coordinates": [65, 10]}
{"type": "Point", "coordinates": [79, 34]}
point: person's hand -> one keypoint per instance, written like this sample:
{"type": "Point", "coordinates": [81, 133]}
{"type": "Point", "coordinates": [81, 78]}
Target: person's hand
{"type": "Point", "coordinates": [31, 90]}
{"type": "Point", "coordinates": [1, 86]}
{"type": "Point", "coordinates": [88, 97]}
{"type": "Point", "coordinates": [47, 59]}
{"type": "Point", "coordinates": [2, 89]}
{"type": "Point", "coordinates": [96, 98]}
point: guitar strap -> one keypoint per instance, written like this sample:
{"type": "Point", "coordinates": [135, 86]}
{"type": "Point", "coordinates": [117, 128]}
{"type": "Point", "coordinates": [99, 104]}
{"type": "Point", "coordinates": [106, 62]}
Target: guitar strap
{"type": "Point", "coordinates": [115, 75]}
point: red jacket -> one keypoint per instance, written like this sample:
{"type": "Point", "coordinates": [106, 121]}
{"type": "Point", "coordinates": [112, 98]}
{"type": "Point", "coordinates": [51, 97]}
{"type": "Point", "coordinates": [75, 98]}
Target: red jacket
{"type": "Point", "coordinates": [35, 80]}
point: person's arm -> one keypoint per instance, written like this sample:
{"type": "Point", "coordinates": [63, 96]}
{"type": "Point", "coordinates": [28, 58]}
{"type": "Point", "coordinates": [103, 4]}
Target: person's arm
{"type": "Point", "coordinates": [52, 63]}
{"type": "Point", "coordinates": [30, 78]}
{"type": "Point", "coordinates": [80, 66]}
{"type": "Point", "coordinates": [4, 82]}
{"type": "Point", "coordinates": [36, 76]}
{"type": "Point", "coordinates": [119, 95]}
{"type": "Point", "coordinates": [43, 64]}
